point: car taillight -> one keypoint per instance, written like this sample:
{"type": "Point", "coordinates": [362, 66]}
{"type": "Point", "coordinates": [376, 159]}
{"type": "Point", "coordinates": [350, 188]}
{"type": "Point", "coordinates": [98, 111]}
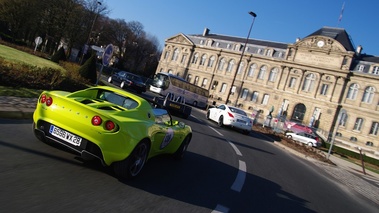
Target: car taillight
{"type": "Point", "coordinates": [96, 120]}
{"type": "Point", "coordinates": [43, 99]}
{"type": "Point", "coordinates": [49, 101]}
{"type": "Point", "coordinates": [109, 125]}
{"type": "Point", "coordinates": [230, 115]}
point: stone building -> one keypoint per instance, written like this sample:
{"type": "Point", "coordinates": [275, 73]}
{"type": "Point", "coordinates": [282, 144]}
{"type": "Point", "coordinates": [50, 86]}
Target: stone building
{"type": "Point", "coordinates": [321, 80]}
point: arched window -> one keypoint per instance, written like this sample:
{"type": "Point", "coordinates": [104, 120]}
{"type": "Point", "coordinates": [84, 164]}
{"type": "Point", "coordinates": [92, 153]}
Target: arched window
{"type": "Point", "coordinates": [240, 68]}
{"type": "Point", "coordinates": [273, 74]}
{"type": "Point", "coordinates": [230, 66]}
{"type": "Point", "coordinates": [170, 71]}
{"type": "Point", "coordinates": [254, 96]}
{"type": "Point", "coordinates": [204, 84]}
{"type": "Point", "coordinates": [343, 119]}
{"type": "Point", "coordinates": [374, 128]}
{"type": "Point", "coordinates": [175, 55]}
{"type": "Point", "coordinates": [368, 95]}
{"type": "Point", "coordinates": [309, 82]}
{"type": "Point", "coordinates": [211, 61]}
{"type": "Point", "coordinates": [352, 92]}
{"type": "Point", "coordinates": [195, 58]}
{"type": "Point", "coordinates": [189, 78]}
{"type": "Point", "coordinates": [203, 59]}
{"type": "Point", "coordinates": [262, 72]}
{"type": "Point", "coordinates": [252, 70]}
{"type": "Point", "coordinates": [358, 124]}
{"type": "Point", "coordinates": [166, 54]}
{"type": "Point", "coordinates": [298, 113]}
{"type": "Point", "coordinates": [221, 64]}
{"type": "Point", "coordinates": [245, 93]}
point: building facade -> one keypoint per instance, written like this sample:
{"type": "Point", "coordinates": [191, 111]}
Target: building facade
{"type": "Point", "coordinates": [321, 81]}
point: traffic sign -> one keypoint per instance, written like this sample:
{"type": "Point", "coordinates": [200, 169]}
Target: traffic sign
{"type": "Point", "coordinates": [107, 55]}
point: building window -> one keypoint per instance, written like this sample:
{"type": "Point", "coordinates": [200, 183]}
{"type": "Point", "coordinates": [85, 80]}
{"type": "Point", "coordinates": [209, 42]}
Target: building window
{"type": "Point", "coordinates": [374, 128]}
{"type": "Point", "coordinates": [196, 80]}
{"type": "Point", "coordinates": [324, 89]}
{"type": "Point", "coordinates": [358, 124]}
{"type": "Point", "coordinates": [211, 61]}
{"type": "Point", "coordinates": [175, 55]}
{"type": "Point", "coordinates": [167, 53]}
{"type": "Point", "coordinates": [245, 93]}
{"type": "Point", "coordinates": [292, 82]}
{"type": "Point", "coordinates": [252, 70]}
{"type": "Point", "coordinates": [203, 59]}
{"type": "Point", "coordinates": [189, 78]}
{"type": "Point", "coordinates": [368, 95]}
{"type": "Point", "coordinates": [309, 82]}
{"type": "Point", "coordinates": [361, 68]}
{"type": "Point", "coordinates": [265, 99]}
{"type": "Point", "coordinates": [223, 87]}
{"type": "Point", "coordinates": [254, 96]}
{"type": "Point", "coordinates": [204, 84]}
{"type": "Point", "coordinates": [273, 74]}
{"type": "Point", "coordinates": [343, 119]}
{"type": "Point", "coordinates": [240, 68]}
{"type": "Point", "coordinates": [184, 58]}
{"type": "Point", "coordinates": [170, 71]}
{"type": "Point", "coordinates": [230, 66]}
{"type": "Point", "coordinates": [221, 64]}
{"type": "Point", "coordinates": [352, 92]}
{"type": "Point", "coordinates": [262, 72]}
{"type": "Point", "coordinates": [195, 58]}
{"type": "Point", "coordinates": [214, 85]}
{"type": "Point", "coordinates": [375, 70]}
{"type": "Point", "coordinates": [268, 52]}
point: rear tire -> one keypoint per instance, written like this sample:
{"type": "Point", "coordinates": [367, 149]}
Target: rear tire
{"type": "Point", "coordinates": [133, 164]}
{"type": "Point", "coordinates": [221, 121]}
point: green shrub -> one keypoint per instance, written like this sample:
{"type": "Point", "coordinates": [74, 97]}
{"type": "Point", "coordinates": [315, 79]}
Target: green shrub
{"type": "Point", "coordinates": [346, 152]}
{"type": "Point", "coordinates": [88, 69]}
{"type": "Point", "coordinates": [60, 55]}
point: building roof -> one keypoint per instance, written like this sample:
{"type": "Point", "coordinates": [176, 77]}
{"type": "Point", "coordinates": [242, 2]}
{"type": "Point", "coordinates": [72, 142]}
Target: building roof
{"type": "Point", "coordinates": [338, 34]}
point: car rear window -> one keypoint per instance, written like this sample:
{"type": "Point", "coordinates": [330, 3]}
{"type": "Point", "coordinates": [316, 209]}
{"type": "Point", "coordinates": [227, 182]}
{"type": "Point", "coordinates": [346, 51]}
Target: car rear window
{"type": "Point", "coordinates": [119, 100]}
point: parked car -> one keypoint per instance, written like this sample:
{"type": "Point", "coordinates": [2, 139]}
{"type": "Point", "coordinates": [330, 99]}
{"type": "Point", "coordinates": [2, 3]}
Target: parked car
{"type": "Point", "coordinates": [234, 117]}
{"type": "Point", "coordinates": [303, 137]}
{"type": "Point", "coordinates": [119, 128]}
{"type": "Point", "coordinates": [127, 80]}
{"type": "Point", "coordinates": [296, 127]}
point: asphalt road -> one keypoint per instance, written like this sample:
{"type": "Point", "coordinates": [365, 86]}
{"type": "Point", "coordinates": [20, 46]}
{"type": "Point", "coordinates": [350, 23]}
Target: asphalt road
{"type": "Point", "coordinates": [222, 171]}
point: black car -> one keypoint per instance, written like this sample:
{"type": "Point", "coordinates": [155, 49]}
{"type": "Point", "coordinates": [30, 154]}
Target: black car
{"type": "Point", "coordinates": [127, 80]}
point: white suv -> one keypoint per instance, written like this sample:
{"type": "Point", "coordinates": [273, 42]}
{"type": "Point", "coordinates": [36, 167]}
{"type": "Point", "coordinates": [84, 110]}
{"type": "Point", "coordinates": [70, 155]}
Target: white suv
{"type": "Point", "coordinates": [303, 137]}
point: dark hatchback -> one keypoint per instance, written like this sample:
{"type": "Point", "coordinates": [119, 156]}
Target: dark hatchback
{"type": "Point", "coordinates": [127, 80]}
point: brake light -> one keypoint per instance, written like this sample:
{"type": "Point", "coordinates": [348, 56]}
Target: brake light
{"type": "Point", "coordinates": [230, 115]}
{"type": "Point", "coordinates": [96, 120]}
{"type": "Point", "coordinates": [49, 101]}
{"type": "Point", "coordinates": [109, 125]}
{"type": "Point", "coordinates": [43, 99]}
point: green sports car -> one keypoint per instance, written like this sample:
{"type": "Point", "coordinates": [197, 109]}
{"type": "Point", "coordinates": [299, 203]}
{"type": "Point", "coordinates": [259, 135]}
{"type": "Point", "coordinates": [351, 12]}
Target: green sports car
{"type": "Point", "coordinates": [121, 129]}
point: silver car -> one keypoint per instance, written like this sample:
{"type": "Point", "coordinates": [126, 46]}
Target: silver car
{"type": "Point", "coordinates": [303, 137]}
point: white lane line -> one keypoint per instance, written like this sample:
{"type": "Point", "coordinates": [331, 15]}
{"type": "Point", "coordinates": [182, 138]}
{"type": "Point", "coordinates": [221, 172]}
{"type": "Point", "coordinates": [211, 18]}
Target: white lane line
{"type": "Point", "coordinates": [235, 148]}
{"type": "Point", "coordinates": [216, 131]}
{"type": "Point", "coordinates": [220, 209]}
{"type": "Point", "coordinates": [240, 179]}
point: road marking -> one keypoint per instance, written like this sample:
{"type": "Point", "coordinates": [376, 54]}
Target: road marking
{"type": "Point", "coordinates": [216, 131]}
{"type": "Point", "coordinates": [235, 148]}
{"type": "Point", "coordinates": [240, 179]}
{"type": "Point", "coordinates": [219, 209]}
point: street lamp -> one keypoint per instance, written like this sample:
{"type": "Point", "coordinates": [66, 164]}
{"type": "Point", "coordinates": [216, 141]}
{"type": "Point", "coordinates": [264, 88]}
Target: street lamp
{"type": "Point", "coordinates": [239, 62]}
{"type": "Point", "coordinates": [90, 32]}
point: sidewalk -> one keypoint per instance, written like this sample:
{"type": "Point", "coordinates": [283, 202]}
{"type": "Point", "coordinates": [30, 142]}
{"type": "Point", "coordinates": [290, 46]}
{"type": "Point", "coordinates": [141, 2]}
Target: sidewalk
{"type": "Point", "coordinates": [346, 172]}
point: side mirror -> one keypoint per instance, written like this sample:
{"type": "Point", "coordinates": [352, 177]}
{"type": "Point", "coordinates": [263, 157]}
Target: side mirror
{"type": "Point", "coordinates": [181, 124]}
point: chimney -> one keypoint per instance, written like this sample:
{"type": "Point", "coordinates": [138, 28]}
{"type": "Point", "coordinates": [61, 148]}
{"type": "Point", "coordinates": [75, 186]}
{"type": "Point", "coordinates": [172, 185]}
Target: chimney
{"type": "Point", "coordinates": [206, 31]}
{"type": "Point", "coordinates": [359, 50]}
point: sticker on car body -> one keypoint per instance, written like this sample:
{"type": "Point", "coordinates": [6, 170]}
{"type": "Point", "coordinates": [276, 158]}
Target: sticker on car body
{"type": "Point", "coordinates": [167, 138]}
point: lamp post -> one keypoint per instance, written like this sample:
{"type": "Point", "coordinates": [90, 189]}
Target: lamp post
{"type": "Point", "coordinates": [239, 62]}
{"type": "Point", "coordinates": [90, 32]}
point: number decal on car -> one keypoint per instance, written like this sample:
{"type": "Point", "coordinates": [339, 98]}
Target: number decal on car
{"type": "Point", "coordinates": [167, 138]}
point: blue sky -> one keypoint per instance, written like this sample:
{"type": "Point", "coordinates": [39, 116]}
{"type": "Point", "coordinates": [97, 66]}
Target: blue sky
{"type": "Point", "coordinates": [277, 20]}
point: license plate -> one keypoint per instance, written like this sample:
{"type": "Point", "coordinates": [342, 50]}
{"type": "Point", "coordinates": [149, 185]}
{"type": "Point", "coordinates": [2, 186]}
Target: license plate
{"type": "Point", "coordinates": [64, 135]}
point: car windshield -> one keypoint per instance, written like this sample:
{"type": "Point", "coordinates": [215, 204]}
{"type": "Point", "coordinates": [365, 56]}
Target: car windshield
{"type": "Point", "coordinates": [238, 111]}
{"type": "Point", "coordinates": [117, 99]}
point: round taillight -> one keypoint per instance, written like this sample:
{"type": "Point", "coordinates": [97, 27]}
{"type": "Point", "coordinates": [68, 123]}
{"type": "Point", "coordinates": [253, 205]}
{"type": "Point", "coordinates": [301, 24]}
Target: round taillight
{"type": "Point", "coordinates": [109, 125]}
{"type": "Point", "coordinates": [49, 101]}
{"type": "Point", "coordinates": [96, 120]}
{"type": "Point", "coordinates": [43, 98]}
